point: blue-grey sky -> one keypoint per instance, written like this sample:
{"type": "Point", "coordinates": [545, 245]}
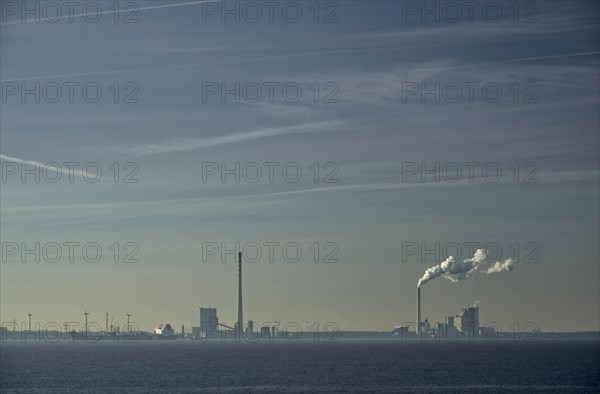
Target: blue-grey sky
{"type": "Point", "coordinates": [365, 62]}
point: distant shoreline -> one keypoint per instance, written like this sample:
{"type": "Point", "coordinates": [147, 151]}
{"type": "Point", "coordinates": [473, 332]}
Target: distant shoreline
{"type": "Point", "coordinates": [337, 337]}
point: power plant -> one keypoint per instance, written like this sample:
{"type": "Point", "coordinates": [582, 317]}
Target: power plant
{"type": "Point", "coordinates": [469, 324]}
{"type": "Point", "coordinates": [210, 324]}
{"type": "Point", "coordinates": [455, 271]}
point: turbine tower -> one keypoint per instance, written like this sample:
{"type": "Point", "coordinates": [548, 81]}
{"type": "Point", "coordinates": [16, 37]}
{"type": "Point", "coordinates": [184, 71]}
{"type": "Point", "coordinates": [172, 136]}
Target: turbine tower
{"type": "Point", "coordinates": [29, 314]}
{"type": "Point", "coordinates": [128, 315]}
{"type": "Point", "coordinates": [240, 320]}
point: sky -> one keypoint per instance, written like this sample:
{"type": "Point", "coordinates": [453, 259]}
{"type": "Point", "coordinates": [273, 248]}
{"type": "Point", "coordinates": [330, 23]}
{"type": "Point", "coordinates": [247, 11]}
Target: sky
{"type": "Point", "coordinates": [347, 97]}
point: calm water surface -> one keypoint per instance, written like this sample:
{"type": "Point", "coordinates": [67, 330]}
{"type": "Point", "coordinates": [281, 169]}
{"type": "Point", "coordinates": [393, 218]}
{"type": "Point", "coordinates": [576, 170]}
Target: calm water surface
{"type": "Point", "coordinates": [366, 366]}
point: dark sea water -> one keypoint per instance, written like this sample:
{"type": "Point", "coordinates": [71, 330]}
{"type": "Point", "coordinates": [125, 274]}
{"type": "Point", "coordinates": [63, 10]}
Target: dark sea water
{"type": "Point", "coordinates": [365, 366]}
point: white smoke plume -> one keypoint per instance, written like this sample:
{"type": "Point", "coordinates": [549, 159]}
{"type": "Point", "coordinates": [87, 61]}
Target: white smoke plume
{"type": "Point", "coordinates": [498, 266]}
{"type": "Point", "coordinates": [458, 270]}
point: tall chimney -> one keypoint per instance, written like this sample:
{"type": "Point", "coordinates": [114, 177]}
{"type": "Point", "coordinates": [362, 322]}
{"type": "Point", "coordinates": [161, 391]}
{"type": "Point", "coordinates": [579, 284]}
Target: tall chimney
{"type": "Point", "coordinates": [419, 310]}
{"type": "Point", "coordinates": [240, 321]}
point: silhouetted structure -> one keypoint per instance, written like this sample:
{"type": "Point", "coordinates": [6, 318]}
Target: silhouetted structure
{"type": "Point", "coordinates": [209, 322]}
{"type": "Point", "coordinates": [469, 321]}
{"type": "Point", "coordinates": [240, 319]}
{"type": "Point", "coordinates": [418, 329]}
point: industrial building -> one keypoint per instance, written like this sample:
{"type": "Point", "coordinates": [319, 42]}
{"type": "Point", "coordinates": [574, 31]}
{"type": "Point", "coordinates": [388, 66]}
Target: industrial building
{"type": "Point", "coordinates": [209, 321]}
{"type": "Point", "coordinates": [469, 324]}
{"type": "Point", "coordinates": [210, 325]}
{"type": "Point", "coordinates": [469, 321]}
{"type": "Point", "coordinates": [450, 331]}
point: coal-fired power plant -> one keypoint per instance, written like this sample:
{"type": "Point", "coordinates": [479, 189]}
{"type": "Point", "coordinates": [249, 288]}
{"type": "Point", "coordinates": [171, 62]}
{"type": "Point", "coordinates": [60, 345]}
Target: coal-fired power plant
{"type": "Point", "coordinates": [418, 310]}
{"type": "Point", "coordinates": [455, 271]}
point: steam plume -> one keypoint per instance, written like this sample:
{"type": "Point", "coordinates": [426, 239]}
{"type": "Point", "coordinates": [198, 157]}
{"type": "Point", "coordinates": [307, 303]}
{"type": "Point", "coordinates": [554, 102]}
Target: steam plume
{"type": "Point", "coordinates": [458, 270]}
{"type": "Point", "coordinates": [498, 266]}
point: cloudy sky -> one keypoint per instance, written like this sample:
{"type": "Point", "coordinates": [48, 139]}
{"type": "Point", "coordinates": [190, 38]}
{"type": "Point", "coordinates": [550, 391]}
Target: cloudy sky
{"type": "Point", "coordinates": [364, 117]}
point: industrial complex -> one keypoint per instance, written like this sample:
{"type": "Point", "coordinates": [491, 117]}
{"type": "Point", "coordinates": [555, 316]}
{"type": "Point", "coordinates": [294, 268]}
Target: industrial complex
{"type": "Point", "coordinates": [210, 325]}
{"type": "Point", "coordinates": [467, 319]}
{"type": "Point", "coordinates": [465, 324]}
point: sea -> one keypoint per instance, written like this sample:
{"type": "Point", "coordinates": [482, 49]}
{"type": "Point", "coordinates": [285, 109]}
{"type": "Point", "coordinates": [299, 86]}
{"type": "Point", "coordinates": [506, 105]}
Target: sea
{"type": "Point", "coordinates": [361, 366]}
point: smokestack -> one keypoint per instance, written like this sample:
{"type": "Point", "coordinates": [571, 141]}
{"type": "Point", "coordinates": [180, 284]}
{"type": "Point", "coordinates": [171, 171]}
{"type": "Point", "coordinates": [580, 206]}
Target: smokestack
{"type": "Point", "coordinates": [419, 310]}
{"type": "Point", "coordinates": [240, 320]}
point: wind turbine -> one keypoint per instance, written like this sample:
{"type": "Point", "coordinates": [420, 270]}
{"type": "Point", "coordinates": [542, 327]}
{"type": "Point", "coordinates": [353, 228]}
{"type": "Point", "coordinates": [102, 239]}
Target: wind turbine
{"type": "Point", "coordinates": [29, 314]}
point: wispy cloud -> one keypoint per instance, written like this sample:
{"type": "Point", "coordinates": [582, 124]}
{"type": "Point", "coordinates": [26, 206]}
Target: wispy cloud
{"type": "Point", "coordinates": [106, 72]}
{"type": "Point", "coordinates": [53, 167]}
{"type": "Point", "coordinates": [482, 31]}
{"type": "Point", "coordinates": [385, 87]}
{"type": "Point", "coordinates": [118, 11]}
{"type": "Point", "coordinates": [68, 214]}
{"type": "Point", "coordinates": [193, 143]}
